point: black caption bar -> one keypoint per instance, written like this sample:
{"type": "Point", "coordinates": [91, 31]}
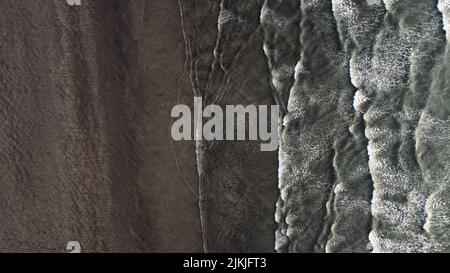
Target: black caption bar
{"type": "Point", "coordinates": [180, 263]}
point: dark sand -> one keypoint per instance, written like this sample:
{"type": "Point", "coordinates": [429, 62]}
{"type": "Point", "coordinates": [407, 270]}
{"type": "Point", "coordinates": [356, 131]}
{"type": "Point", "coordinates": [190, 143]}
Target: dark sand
{"type": "Point", "coordinates": [86, 152]}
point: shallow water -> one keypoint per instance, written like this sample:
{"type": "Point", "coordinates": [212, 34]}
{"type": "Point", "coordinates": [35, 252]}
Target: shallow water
{"type": "Point", "coordinates": [363, 165]}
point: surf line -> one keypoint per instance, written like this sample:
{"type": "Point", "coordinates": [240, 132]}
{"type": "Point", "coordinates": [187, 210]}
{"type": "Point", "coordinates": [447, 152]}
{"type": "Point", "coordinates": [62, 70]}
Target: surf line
{"type": "Point", "coordinates": [234, 121]}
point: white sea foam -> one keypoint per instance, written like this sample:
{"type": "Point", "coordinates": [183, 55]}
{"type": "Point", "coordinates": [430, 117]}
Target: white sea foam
{"type": "Point", "coordinates": [270, 17]}
{"type": "Point", "coordinates": [374, 2]}
{"type": "Point", "coordinates": [444, 8]}
{"type": "Point", "coordinates": [226, 16]}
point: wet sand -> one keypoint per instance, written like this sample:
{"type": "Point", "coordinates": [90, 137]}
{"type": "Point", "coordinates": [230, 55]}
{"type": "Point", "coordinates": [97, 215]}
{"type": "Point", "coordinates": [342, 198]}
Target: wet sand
{"type": "Point", "coordinates": [86, 153]}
